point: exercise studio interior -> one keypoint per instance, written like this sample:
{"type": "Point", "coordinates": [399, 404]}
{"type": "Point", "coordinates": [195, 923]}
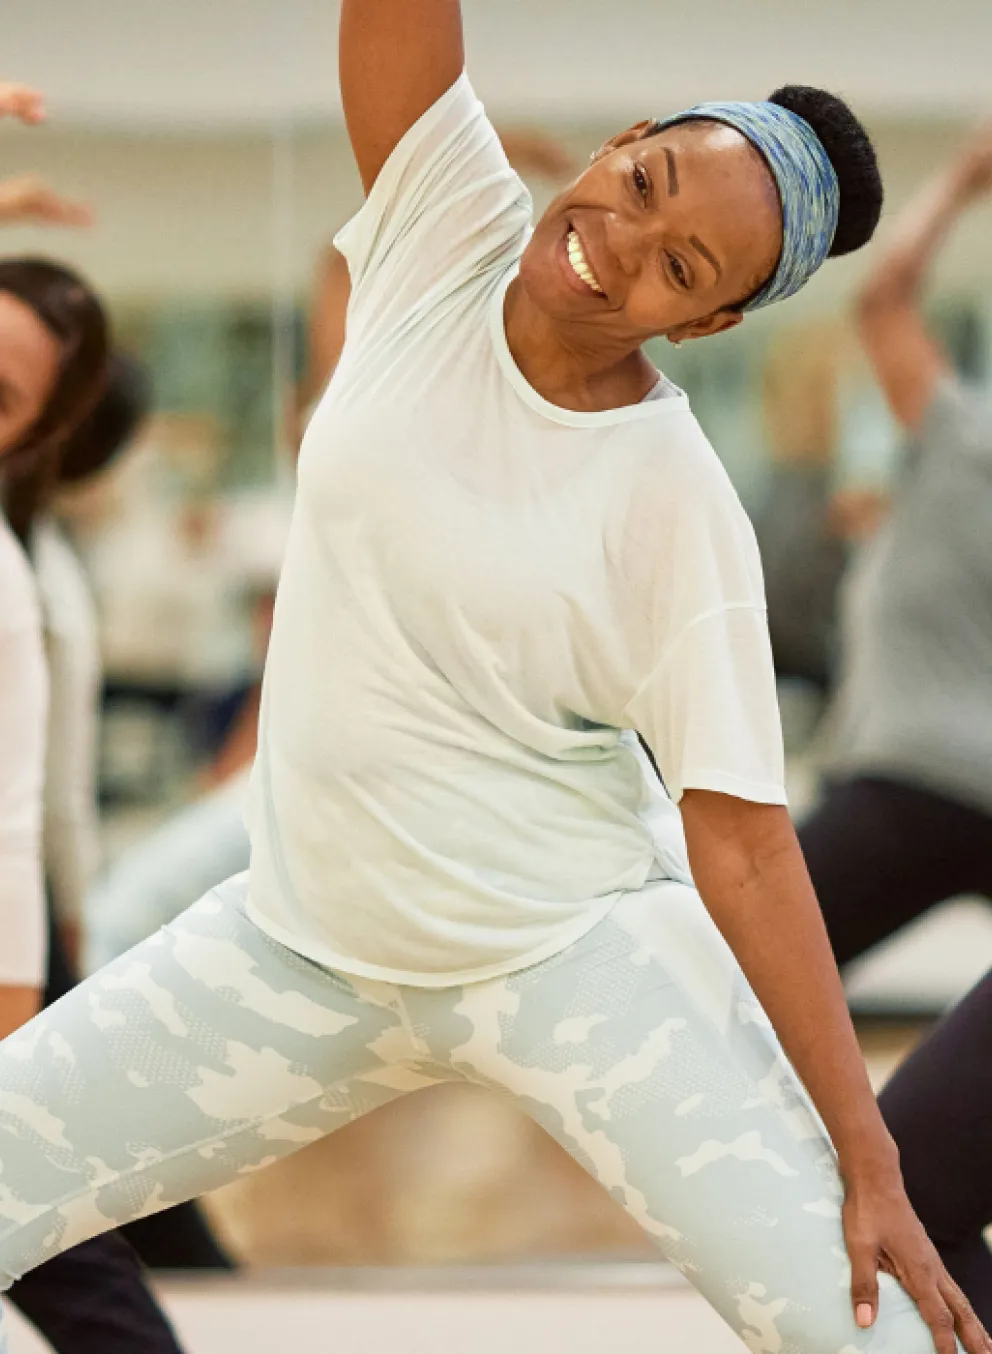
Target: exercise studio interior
{"type": "Point", "coordinates": [496, 677]}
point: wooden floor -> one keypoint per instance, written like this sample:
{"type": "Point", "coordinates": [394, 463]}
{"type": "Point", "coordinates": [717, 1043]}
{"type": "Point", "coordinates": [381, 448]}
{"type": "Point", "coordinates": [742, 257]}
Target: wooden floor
{"type": "Point", "coordinates": [595, 1310]}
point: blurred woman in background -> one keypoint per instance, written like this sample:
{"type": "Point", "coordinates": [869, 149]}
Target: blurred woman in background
{"type": "Point", "coordinates": [906, 820]}
{"type": "Point", "coordinates": [53, 349]}
{"type": "Point", "coordinates": [177, 1238]}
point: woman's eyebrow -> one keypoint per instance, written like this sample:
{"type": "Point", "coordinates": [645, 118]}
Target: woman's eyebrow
{"type": "Point", "coordinates": [710, 258]}
{"type": "Point", "coordinates": [673, 177]}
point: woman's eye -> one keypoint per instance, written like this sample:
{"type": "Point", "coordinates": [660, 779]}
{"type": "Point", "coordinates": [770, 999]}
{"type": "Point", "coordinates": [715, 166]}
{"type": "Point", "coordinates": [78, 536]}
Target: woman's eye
{"type": "Point", "coordinates": [641, 182]}
{"type": "Point", "coordinates": [678, 270]}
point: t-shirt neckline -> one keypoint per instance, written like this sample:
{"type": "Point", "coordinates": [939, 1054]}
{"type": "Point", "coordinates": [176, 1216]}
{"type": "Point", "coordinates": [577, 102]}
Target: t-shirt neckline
{"type": "Point", "coordinates": [573, 418]}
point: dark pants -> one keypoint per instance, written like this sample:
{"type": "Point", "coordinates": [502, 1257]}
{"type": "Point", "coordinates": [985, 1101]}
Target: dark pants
{"type": "Point", "coordinates": [880, 854]}
{"type": "Point", "coordinates": [938, 1107]}
{"type": "Point", "coordinates": [95, 1299]}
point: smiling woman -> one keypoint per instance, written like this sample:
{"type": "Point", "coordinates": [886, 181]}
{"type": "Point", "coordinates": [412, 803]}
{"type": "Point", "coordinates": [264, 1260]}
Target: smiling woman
{"type": "Point", "coordinates": [514, 551]}
{"type": "Point", "coordinates": [681, 226]}
{"type": "Point", "coordinates": [53, 354]}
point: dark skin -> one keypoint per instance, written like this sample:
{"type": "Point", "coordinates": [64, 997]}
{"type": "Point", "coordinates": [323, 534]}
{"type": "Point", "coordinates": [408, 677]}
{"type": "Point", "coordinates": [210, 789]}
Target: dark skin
{"type": "Point", "coordinates": [669, 265]}
{"type": "Point", "coordinates": [582, 350]}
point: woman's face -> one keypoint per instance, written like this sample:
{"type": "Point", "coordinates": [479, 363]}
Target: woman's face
{"type": "Point", "coordinates": [663, 234]}
{"type": "Point", "coordinates": [29, 361]}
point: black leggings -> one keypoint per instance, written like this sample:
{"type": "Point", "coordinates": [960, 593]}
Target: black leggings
{"type": "Point", "coordinates": [938, 1107]}
{"type": "Point", "coordinates": [880, 854]}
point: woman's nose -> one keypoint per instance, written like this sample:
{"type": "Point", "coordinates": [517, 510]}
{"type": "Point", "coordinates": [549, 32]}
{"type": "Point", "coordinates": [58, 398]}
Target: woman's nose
{"type": "Point", "coordinates": [629, 242]}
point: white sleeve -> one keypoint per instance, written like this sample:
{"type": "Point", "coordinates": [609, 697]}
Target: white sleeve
{"type": "Point", "coordinates": [705, 698]}
{"type": "Point", "coordinates": [709, 711]}
{"type": "Point", "coordinates": [71, 831]}
{"type": "Point", "coordinates": [23, 710]}
{"type": "Point", "coordinates": [446, 206]}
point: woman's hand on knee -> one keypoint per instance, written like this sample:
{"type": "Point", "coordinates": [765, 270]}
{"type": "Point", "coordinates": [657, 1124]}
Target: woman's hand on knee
{"type": "Point", "coordinates": [883, 1233]}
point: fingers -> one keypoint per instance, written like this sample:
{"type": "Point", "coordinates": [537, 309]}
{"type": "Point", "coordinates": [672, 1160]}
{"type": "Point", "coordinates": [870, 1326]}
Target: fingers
{"type": "Point", "coordinates": [864, 1283]}
{"type": "Point", "coordinates": [59, 211]}
{"type": "Point", "coordinates": [971, 1332]}
{"type": "Point", "coordinates": [924, 1288]}
{"type": "Point", "coordinates": [29, 198]}
{"type": "Point", "coordinates": [20, 101]}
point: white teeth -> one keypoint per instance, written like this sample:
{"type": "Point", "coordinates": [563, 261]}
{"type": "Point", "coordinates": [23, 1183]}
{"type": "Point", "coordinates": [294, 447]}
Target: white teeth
{"type": "Point", "coordinates": [579, 265]}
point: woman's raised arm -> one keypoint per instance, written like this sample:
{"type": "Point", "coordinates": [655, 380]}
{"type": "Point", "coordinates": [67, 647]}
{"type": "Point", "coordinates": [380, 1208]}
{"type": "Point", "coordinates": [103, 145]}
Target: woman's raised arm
{"type": "Point", "coordinates": [396, 59]}
{"type": "Point", "coordinates": [907, 359]}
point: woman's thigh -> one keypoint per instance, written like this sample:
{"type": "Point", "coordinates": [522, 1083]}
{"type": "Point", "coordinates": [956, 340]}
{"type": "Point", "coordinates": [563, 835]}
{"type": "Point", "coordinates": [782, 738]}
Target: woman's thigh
{"type": "Point", "coordinates": [207, 1051]}
{"type": "Point", "coordinates": [644, 1052]}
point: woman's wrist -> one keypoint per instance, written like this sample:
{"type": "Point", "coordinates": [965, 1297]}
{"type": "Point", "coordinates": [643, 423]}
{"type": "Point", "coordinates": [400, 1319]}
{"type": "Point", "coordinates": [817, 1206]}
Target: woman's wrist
{"type": "Point", "coordinates": [869, 1158]}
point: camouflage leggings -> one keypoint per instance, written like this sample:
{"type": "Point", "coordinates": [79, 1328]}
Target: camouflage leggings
{"type": "Point", "coordinates": [210, 1050]}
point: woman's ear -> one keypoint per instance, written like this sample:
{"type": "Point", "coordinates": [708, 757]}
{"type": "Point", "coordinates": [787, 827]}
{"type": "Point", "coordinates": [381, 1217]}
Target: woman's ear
{"type": "Point", "coordinates": [638, 132]}
{"type": "Point", "coordinates": [717, 323]}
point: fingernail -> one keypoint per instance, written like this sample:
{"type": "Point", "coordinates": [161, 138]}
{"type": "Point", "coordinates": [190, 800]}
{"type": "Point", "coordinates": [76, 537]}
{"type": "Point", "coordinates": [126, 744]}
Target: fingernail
{"type": "Point", "coordinates": [863, 1314]}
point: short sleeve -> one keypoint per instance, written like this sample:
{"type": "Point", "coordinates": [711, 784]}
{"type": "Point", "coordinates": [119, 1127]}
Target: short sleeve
{"type": "Point", "coordinates": [71, 819]}
{"type": "Point", "coordinates": [703, 681]}
{"type": "Point", "coordinates": [709, 711]}
{"type": "Point", "coordinates": [445, 206]}
{"type": "Point", "coordinates": [23, 712]}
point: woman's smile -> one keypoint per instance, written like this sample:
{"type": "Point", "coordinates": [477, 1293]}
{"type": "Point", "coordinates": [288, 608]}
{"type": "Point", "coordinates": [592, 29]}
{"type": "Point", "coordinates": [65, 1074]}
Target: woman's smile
{"type": "Point", "coordinates": [580, 264]}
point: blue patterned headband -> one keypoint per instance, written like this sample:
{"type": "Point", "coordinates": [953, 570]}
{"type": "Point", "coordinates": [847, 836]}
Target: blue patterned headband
{"type": "Point", "coordinates": [807, 186]}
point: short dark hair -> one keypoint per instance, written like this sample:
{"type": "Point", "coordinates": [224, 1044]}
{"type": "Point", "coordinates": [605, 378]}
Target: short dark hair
{"type": "Point", "coordinates": [122, 407]}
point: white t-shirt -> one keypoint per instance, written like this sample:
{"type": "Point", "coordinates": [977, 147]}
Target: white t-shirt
{"type": "Point", "coordinates": [71, 832]}
{"type": "Point", "coordinates": [23, 712]}
{"type": "Point", "coordinates": [483, 595]}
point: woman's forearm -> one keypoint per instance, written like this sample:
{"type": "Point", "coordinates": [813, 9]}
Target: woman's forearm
{"type": "Point", "coordinates": [750, 872]}
{"type": "Point", "coordinates": [918, 232]}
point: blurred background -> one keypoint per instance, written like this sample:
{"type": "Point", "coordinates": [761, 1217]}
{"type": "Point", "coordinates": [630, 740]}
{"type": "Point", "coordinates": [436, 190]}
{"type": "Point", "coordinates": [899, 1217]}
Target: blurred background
{"type": "Point", "coordinates": [208, 140]}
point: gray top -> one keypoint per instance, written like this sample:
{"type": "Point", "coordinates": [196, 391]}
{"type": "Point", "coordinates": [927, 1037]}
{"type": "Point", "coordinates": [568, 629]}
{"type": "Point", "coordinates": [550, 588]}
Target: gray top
{"type": "Point", "coordinates": [804, 564]}
{"type": "Point", "coordinates": [915, 700]}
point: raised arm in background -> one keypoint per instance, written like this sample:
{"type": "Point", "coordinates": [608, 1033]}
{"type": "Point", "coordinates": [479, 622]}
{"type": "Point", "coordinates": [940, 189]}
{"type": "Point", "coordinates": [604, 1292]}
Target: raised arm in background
{"type": "Point", "coordinates": [907, 359]}
{"type": "Point", "coordinates": [28, 200]}
{"type": "Point", "coordinates": [396, 59]}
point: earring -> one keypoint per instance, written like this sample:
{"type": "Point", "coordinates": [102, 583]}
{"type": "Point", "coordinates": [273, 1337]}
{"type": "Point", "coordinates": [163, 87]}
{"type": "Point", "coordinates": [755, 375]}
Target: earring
{"type": "Point", "coordinates": [676, 343]}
